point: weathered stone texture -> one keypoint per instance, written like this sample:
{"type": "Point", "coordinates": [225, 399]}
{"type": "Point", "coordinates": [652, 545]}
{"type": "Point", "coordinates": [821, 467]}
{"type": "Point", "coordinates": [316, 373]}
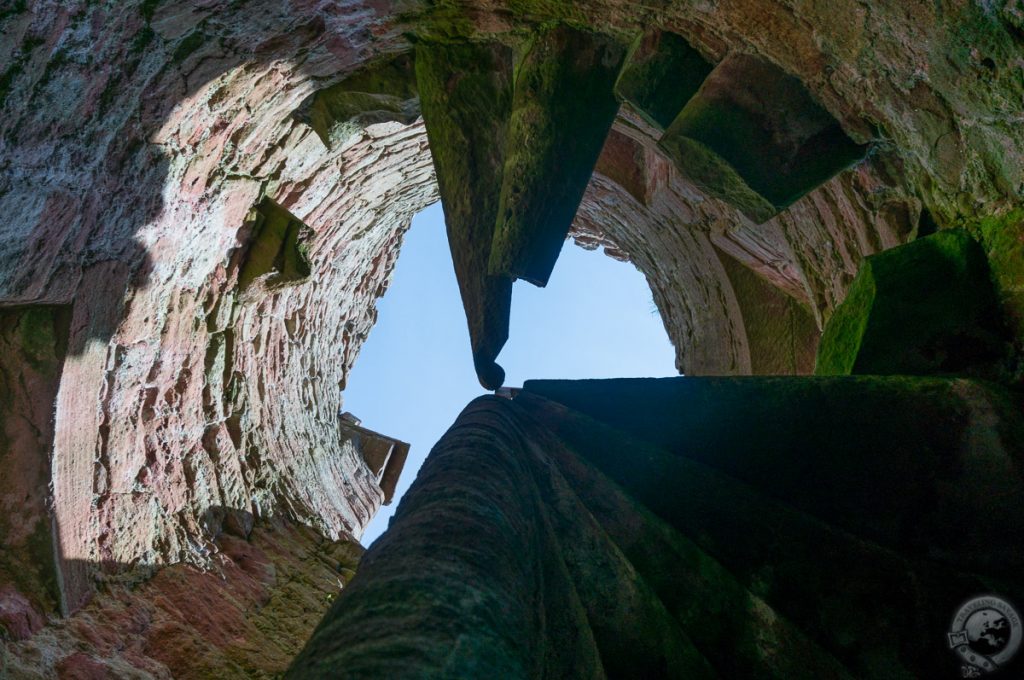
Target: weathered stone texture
{"type": "Point", "coordinates": [466, 92]}
{"type": "Point", "coordinates": [810, 252]}
{"type": "Point", "coordinates": [244, 618]}
{"type": "Point", "coordinates": [563, 106]}
{"type": "Point", "coordinates": [181, 380]}
{"type": "Point", "coordinates": [923, 308]}
{"type": "Point", "coordinates": [184, 113]}
{"type": "Point", "coordinates": [754, 137]}
{"type": "Point", "coordinates": [136, 138]}
{"type": "Point", "coordinates": [32, 345]}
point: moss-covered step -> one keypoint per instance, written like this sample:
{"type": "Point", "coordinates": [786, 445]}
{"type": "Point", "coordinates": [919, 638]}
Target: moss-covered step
{"type": "Point", "coordinates": [926, 307]}
{"type": "Point", "coordinates": [662, 72]}
{"type": "Point", "coordinates": [1002, 237]}
{"type": "Point", "coordinates": [276, 255]}
{"type": "Point", "coordinates": [786, 618]}
{"type": "Point", "coordinates": [538, 542]}
{"type": "Point", "coordinates": [754, 137]}
{"type": "Point", "coordinates": [562, 108]}
{"type": "Point", "coordinates": [382, 91]}
{"type": "Point", "coordinates": [466, 97]}
{"type": "Point", "coordinates": [930, 467]}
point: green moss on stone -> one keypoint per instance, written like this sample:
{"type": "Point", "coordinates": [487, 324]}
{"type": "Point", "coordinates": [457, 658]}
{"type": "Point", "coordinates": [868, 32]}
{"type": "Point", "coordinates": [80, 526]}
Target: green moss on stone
{"type": "Point", "coordinates": [37, 332]}
{"type": "Point", "coordinates": [926, 307]}
{"type": "Point", "coordinates": [14, 9]}
{"type": "Point", "coordinates": [382, 91]}
{"type": "Point", "coordinates": [714, 175]}
{"type": "Point", "coordinates": [441, 21]}
{"type": "Point", "coordinates": [141, 40]}
{"type": "Point", "coordinates": [192, 42]}
{"type": "Point", "coordinates": [148, 8]}
{"type": "Point", "coordinates": [562, 109]}
{"type": "Point", "coordinates": [661, 74]}
{"type": "Point", "coordinates": [1003, 240]}
{"type": "Point", "coordinates": [275, 251]}
{"type": "Point", "coordinates": [841, 341]}
{"type": "Point", "coordinates": [782, 334]}
{"type": "Point", "coordinates": [763, 125]}
{"type": "Point", "coordinates": [445, 22]}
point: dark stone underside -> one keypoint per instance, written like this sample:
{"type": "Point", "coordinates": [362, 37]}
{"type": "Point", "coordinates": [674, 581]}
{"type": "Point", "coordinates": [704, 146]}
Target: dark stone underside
{"type": "Point", "coordinates": [466, 96]}
{"type": "Point", "coordinates": [691, 528]}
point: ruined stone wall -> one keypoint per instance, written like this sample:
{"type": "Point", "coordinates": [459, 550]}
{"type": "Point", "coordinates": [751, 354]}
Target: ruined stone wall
{"type": "Point", "coordinates": [137, 137]}
{"type": "Point", "coordinates": [245, 618]}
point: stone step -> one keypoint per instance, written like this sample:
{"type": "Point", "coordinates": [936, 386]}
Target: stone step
{"type": "Point", "coordinates": [910, 463]}
{"type": "Point", "coordinates": [466, 97]}
{"type": "Point", "coordinates": [562, 109]}
{"type": "Point", "coordinates": [754, 137]}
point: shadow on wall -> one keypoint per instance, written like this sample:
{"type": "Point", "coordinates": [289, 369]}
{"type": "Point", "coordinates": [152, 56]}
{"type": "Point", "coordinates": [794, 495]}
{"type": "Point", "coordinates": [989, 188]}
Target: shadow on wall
{"type": "Point", "coordinates": [84, 173]}
{"type": "Point", "coordinates": [87, 196]}
{"type": "Point", "coordinates": [246, 617]}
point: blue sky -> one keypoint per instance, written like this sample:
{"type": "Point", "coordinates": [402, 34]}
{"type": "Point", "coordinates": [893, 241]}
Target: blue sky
{"type": "Point", "coordinates": [414, 374]}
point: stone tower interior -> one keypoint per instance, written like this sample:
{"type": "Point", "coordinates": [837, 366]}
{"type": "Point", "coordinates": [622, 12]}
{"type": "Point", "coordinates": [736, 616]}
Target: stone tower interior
{"type": "Point", "coordinates": [202, 201]}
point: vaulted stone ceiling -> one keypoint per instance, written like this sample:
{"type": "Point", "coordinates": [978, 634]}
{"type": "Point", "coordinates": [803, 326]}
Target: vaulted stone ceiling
{"type": "Point", "coordinates": [199, 352]}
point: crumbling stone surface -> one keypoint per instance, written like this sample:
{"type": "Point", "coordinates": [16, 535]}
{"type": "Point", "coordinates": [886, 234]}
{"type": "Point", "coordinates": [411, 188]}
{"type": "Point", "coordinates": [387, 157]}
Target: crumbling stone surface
{"type": "Point", "coordinates": [180, 381]}
{"type": "Point", "coordinates": [380, 92]}
{"type": "Point", "coordinates": [244, 618]}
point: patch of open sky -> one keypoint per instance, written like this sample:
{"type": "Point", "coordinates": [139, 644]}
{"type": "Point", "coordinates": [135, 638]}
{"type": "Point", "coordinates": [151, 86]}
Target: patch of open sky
{"type": "Point", "coordinates": [414, 374]}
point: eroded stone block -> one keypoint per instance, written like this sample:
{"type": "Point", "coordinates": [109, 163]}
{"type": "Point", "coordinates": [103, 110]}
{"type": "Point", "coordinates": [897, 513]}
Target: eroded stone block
{"type": "Point", "coordinates": [275, 255]}
{"type": "Point", "coordinates": [380, 92]}
{"type": "Point", "coordinates": [661, 74]}
{"type": "Point", "coordinates": [754, 137]}
{"type": "Point", "coordinates": [562, 109]}
{"type": "Point", "coordinates": [925, 307]}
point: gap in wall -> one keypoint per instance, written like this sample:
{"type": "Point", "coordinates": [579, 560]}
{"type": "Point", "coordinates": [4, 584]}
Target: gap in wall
{"type": "Point", "coordinates": [414, 374]}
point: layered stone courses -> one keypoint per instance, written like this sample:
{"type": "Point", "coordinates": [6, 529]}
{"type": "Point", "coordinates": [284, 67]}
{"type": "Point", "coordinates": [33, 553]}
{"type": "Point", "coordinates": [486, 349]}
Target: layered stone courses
{"type": "Point", "coordinates": [136, 137]}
